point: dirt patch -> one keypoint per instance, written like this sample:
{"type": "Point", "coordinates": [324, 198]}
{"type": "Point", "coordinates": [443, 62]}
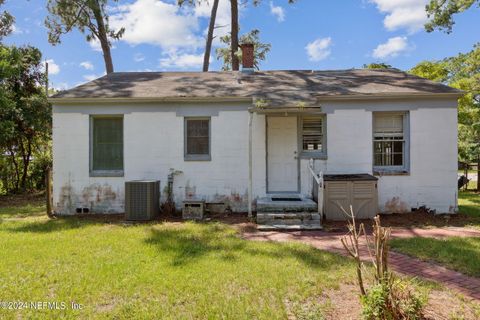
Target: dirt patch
{"type": "Point", "coordinates": [344, 303]}
{"type": "Point", "coordinates": [238, 220]}
{"type": "Point", "coordinates": [446, 305]}
{"type": "Point", "coordinates": [19, 200]}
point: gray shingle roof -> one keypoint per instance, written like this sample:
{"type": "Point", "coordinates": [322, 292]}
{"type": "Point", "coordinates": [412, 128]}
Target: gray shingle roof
{"type": "Point", "coordinates": [276, 87]}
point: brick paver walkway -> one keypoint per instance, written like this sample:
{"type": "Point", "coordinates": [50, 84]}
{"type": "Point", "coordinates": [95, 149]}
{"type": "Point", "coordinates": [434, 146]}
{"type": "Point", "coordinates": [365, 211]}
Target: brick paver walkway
{"type": "Point", "coordinates": [469, 286]}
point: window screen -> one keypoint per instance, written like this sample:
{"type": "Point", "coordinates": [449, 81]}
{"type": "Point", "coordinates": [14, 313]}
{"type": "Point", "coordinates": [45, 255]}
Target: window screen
{"type": "Point", "coordinates": [197, 138]}
{"type": "Point", "coordinates": [389, 140]}
{"type": "Point", "coordinates": [312, 134]}
{"type": "Point", "coordinates": [107, 144]}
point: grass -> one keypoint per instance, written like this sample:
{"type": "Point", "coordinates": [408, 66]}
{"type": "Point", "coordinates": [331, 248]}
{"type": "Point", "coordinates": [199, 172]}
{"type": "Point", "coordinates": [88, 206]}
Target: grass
{"type": "Point", "coordinates": [163, 270]}
{"type": "Point", "coordinates": [461, 254]}
{"type": "Point", "coordinates": [469, 204]}
{"type": "Point", "coordinates": [21, 206]}
{"type": "Point", "coordinates": [24, 211]}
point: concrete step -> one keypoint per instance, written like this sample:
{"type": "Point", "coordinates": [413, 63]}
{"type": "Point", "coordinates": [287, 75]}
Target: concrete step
{"type": "Point", "coordinates": [289, 215]}
{"type": "Point", "coordinates": [288, 218]}
{"type": "Point", "coordinates": [288, 221]}
{"type": "Point", "coordinates": [278, 227]}
{"type": "Point", "coordinates": [286, 203]}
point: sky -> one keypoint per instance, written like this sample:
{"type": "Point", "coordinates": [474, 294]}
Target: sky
{"type": "Point", "coordinates": [309, 34]}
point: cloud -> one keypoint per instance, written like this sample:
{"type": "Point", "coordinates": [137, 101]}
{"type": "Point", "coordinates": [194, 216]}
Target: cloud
{"type": "Point", "coordinates": [60, 86]}
{"type": "Point", "coordinates": [16, 30]}
{"type": "Point", "coordinates": [403, 14]}
{"type": "Point", "coordinates": [53, 68]}
{"type": "Point", "coordinates": [95, 45]}
{"type": "Point", "coordinates": [138, 57]}
{"type": "Point", "coordinates": [91, 77]}
{"type": "Point", "coordinates": [319, 49]}
{"type": "Point", "coordinates": [158, 23]}
{"type": "Point", "coordinates": [392, 48]}
{"type": "Point", "coordinates": [177, 31]}
{"type": "Point", "coordinates": [182, 60]}
{"type": "Point", "coordinates": [87, 65]}
{"type": "Point", "coordinates": [222, 20]}
{"type": "Point", "coordinates": [277, 11]}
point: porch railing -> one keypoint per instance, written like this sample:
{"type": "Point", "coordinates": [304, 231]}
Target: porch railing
{"type": "Point", "coordinates": [317, 186]}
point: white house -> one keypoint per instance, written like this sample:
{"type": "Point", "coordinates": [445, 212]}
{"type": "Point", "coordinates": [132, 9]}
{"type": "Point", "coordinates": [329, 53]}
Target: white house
{"type": "Point", "coordinates": [239, 136]}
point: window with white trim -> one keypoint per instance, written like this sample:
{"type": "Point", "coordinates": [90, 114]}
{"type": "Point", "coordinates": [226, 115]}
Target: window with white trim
{"type": "Point", "coordinates": [313, 135]}
{"type": "Point", "coordinates": [390, 141]}
{"type": "Point", "coordinates": [106, 146]}
{"type": "Point", "coordinates": [197, 138]}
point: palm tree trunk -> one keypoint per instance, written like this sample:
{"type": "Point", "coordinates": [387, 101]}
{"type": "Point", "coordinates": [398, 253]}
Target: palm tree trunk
{"type": "Point", "coordinates": [234, 35]}
{"type": "Point", "coordinates": [103, 38]}
{"type": "Point", "coordinates": [208, 44]}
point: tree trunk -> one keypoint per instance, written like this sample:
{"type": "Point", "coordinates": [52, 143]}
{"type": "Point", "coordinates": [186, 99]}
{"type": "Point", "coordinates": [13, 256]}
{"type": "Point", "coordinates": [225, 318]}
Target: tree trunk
{"type": "Point", "coordinates": [234, 35]}
{"type": "Point", "coordinates": [208, 44]}
{"type": "Point", "coordinates": [26, 154]}
{"type": "Point", "coordinates": [17, 171]}
{"type": "Point", "coordinates": [103, 38]}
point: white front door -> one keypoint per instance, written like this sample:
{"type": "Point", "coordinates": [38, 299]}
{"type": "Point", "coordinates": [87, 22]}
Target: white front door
{"type": "Point", "coordinates": [282, 154]}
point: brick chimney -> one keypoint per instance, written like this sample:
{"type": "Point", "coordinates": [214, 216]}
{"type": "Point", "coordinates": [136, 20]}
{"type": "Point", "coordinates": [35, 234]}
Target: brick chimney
{"type": "Point", "coordinates": [247, 57]}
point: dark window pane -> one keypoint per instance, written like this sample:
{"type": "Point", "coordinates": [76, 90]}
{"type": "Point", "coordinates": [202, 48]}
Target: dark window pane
{"type": "Point", "coordinates": [312, 133]}
{"type": "Point", "coordinates": [198, 137]}
{"type": "Point", "coordinates": [398, 146]}
{"type": "Point", "coordinates": [107, 146]}
{"type": "Point", "coordinates": [398, 159]}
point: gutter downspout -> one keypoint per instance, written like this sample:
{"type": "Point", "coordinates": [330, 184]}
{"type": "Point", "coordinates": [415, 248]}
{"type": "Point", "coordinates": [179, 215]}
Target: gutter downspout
{"type": "Point", "coordinates": [250, 163]}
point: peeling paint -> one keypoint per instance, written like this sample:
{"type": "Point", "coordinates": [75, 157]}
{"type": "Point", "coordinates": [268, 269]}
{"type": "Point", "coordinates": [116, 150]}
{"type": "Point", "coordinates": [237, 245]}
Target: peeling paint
{"type": "Point", "coordinates": [190, 192]}
{"type": "Point", "coordinates": [98, 198]}
{"type": "Point", "coordinates": [235, 201]}
{"type": "Point", "coordinates": [66, 199]}
{"type": "Point", "coordinates": [396, 205]}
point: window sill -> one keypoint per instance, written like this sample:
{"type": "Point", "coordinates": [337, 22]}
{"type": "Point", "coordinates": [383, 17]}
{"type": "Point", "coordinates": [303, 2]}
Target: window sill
{"type": "Point", "coordinates": [198, 158]}
{"type": "Point", "coordinates": [399, 172]}
{"type": "Point", "coordinates": [313, 155]}
{"type": "Point", "coordinates": [106, 173]}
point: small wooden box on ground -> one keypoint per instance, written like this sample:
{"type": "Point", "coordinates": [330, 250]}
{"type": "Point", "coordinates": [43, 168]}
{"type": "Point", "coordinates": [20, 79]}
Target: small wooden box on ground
{"type": "Point", "coordinates": [193, 209]}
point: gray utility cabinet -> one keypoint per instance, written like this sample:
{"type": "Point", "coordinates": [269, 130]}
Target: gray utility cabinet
{"type": "Point", "coordinates": [142, 200]}
{"type": "Point", "coordinates": [343, 190]}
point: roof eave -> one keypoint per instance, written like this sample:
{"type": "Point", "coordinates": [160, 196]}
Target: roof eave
{"type": "Point", "coordinates": [393, 96]}
{"type": "Point", "coordinates": [61, 100]}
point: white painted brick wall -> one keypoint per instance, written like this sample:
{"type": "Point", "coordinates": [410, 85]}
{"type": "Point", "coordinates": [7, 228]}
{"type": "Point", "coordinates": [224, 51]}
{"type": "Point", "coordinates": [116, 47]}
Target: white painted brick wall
{"type": "Point", "coordinates": [153, 143]}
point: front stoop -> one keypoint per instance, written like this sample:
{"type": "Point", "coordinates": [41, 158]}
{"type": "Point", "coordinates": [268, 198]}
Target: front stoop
{"type": "Point", "coordinates": [287, 215]}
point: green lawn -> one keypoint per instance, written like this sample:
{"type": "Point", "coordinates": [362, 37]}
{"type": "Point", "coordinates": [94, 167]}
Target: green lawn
{"type": "Point", "coordinates": [164, 270]}
{"type": "Point", "coordinates": [462, 254]}
{"type": "Point", "coordinates": [469, 204]}
{"type": "Point", "coordinates": [176, 271]}
{"type": "Point", "coordinates": [21, 206]}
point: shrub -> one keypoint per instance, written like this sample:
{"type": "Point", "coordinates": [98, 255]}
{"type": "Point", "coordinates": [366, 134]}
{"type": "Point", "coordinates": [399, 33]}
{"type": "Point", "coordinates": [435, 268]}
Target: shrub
{"type": "Point", "coordinates": [388, 297]}
{"type": "Point", "coordinates": [390, 301]}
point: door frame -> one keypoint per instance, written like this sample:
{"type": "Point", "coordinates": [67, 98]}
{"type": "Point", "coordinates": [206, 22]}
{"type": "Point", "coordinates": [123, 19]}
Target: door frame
{"type": "Point", "coordinates": [266, 154]}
